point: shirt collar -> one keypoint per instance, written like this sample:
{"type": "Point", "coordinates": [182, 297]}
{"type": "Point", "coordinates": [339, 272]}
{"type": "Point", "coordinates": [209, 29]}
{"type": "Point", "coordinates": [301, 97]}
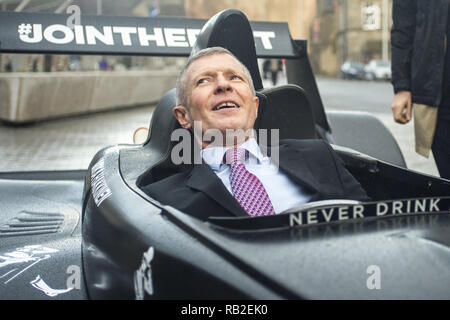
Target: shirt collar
{"type": "Point", "coordinates": [214, 156]}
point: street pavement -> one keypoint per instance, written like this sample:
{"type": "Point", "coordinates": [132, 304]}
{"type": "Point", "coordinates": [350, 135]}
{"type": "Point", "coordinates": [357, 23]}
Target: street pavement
{"type": "Point", "coordinates": [70, 143]}
{"type": "Point", "coordinates": [375, 97]}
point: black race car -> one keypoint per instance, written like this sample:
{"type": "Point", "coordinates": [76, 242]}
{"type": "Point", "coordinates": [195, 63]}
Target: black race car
{"type": "Point", "coordinates": [95, 235]}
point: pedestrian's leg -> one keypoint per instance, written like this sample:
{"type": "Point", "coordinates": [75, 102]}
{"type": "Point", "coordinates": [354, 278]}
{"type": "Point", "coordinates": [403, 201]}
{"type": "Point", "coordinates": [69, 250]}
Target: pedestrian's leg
{"type": "Point", "coordinates": [441, 147]}
{"type": "Point", "coordinates": [274, 78]}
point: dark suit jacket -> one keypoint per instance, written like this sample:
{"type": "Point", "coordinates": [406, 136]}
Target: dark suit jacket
{"type": "Point", "coordinates": [312, 164]}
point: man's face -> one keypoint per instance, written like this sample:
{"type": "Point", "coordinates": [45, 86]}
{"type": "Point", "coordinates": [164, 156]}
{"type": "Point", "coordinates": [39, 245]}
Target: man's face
{"type": "Point", "coordinates": [218, 95]}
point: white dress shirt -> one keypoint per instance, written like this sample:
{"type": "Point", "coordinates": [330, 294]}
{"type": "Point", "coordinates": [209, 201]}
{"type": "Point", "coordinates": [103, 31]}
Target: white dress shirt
{"type": "Point", "coordinates": [283, 193]}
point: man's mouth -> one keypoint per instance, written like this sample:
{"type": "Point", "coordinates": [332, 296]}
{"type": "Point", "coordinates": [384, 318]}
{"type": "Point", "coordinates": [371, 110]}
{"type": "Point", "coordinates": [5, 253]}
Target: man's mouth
{"type": "Point", "coordinates": [226, 105]}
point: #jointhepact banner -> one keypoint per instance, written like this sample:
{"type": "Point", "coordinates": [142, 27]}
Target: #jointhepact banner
{"type": "Point", "coordinates": [117, 35]}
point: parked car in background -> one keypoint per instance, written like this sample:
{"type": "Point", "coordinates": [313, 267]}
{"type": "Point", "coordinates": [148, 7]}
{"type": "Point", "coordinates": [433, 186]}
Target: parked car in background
{"type": "Point", "coordinates": [352, 70]}
{"type": "Point", "coordinates": [378, 70]}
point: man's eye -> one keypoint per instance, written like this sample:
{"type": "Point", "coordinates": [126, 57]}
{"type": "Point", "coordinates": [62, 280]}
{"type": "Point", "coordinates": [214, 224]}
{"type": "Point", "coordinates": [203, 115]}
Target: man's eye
{"type": "Point", "coordinates": [235, 77]}
{"type": "Point", "coordinates": [202, 80]}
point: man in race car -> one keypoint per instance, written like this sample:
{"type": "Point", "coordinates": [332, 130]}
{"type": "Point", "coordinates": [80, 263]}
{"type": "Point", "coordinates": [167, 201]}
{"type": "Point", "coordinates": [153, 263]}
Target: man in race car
{"type": "Point", "coordinates": [215, 93]}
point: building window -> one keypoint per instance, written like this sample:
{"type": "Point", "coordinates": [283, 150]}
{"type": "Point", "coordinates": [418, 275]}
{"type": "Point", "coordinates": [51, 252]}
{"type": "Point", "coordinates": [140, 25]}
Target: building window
{"type": "Point", "coordinates": [328, 6]}
{"type": "Point", "coordinates": [370, 16]}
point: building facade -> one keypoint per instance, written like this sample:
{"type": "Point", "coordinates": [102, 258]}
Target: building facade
{"type": "Point", "coordinates": [336, 30]}
{"type": "Point", "coordinates": [343, 30]}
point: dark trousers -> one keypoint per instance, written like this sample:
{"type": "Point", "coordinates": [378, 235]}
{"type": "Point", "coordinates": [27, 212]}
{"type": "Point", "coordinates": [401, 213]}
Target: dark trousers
{"type": "Point", "coordinates": [441, 146]}
{"type": "Point", "coordinates": [274, 77]}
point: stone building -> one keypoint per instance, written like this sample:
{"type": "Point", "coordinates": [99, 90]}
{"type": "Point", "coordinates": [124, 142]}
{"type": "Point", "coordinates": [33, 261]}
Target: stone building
{"type": "Point", "coordinates": [297, 13]}
{"type": "Point", "coordinates": [336, 30]}
{"type": "Point", "coordinates": [356, 30]}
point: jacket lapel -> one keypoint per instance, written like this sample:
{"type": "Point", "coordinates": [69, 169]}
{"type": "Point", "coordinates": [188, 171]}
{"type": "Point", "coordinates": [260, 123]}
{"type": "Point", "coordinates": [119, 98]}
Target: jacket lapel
{"type": "Point", "coordinates": [202, 178]}
{"type": "Point", "coordinates": [293, 163]}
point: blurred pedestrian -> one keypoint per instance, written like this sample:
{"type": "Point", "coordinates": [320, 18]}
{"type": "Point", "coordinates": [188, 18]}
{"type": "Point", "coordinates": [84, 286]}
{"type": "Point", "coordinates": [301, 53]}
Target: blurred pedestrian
{"type": "Point", "coordinates": [103, 64]}
{"type": "Point", "coordinates": [35, 65]}
{"type": "Point", "coordinates": [421, 75]}
{"type": "Point", "coordinates": [8, 66]}
{"type": "Point", "coordinates": [276, 65]}
{"type": "Point", "coordinates": [266, 69]}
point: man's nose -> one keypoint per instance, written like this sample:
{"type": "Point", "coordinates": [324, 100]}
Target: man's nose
{"type": "Point", "coordinates": [223, 84]}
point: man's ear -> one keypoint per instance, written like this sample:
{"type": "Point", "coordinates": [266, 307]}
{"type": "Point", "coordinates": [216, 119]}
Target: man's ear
{"type": "Point", "coordinates": [256, 101]}
{"type": "Point", "coordinates": [182, 115]}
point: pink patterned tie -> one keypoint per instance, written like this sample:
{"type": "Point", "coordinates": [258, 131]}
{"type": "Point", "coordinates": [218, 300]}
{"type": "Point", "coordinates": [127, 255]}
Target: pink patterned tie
{"type": "Point", "coordinates": [247, 188]}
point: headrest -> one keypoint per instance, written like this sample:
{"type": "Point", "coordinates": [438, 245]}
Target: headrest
{"type": "Point", "coordinates": [163, 122]}
{"type": "Point", "coordinates": [287, 109]}
{"type": "Point", "coordinates": [231, 29]}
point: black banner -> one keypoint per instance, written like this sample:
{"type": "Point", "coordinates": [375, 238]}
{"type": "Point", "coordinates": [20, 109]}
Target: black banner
{"type": "Point", "coordinates": [117, 35]}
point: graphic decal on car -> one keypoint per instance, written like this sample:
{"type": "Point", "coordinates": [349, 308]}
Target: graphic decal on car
{"type": "Point", "coordinates": [20, 260]}
{"type": "Point", "coordinates": [372, 209]}
{"type": "Point", "coordinates": [40, 284]}
{"type": "Point", "coordinates": [100, 189]}
{"type": "Point", "coordinates": [143, 276]}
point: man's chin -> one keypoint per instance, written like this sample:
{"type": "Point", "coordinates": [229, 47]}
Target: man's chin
{"type": "Point", "coordinates": [237, 136]}
{"type": "Point", "coordinates": [226, 137]}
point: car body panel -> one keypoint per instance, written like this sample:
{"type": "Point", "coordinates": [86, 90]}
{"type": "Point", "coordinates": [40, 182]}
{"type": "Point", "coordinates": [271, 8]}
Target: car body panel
{"type": "Point", "coordinates": [40, 236]}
